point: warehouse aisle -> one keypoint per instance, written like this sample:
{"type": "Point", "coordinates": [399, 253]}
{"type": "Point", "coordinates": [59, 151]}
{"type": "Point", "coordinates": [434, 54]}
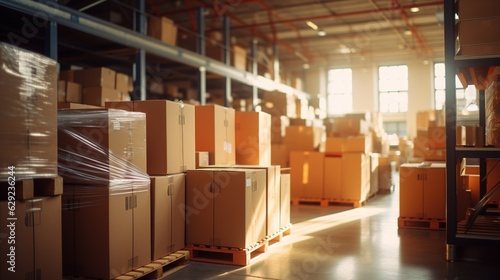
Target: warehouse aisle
{"type": "Point", "coordinates": [341, 243]}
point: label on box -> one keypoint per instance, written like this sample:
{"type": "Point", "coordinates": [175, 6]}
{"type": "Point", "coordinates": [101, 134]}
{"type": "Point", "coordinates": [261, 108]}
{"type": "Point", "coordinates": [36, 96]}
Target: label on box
{"type": "Point", "coordinates": [228, 147]}
{"type": "Point", "coordinates": [248, 182]}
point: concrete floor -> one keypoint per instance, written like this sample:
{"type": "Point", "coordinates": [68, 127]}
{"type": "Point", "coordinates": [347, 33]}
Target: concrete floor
{"type": "Point", "coordinates": [362, 243]}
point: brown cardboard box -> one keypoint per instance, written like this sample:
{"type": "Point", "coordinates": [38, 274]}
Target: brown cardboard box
{"type": "Point", "coordinates": [211, 192]}
{"type": "Point", "coordinates": [422, 191]}
{"type": "Point", "coordinates": [215, 133]}
{"type": "Point", "coordinates": [306, 171]}
{"type": "Point", "coordinates": [37, 231]}
{"type": "Point", "coordinates": [435, 155]}
{"type": "Point", "coordinates": [469, 9]}
{"type": "Point", "coordinates": [66, 105]}
{"type": "Point", "coordinates": [278, 128]}
{"type": "Point", "coordinates": [121, 82]}
{"type": "Point", "coordinates": [98, 96]}
{"type": "Point", "coordinates": [374, 171]}
{"type": "Point", "coordinates": [345, 126]}
{"type": "Point", "coordinates": [437, 137]}
{"type": "Point", "coordinates": [29, 115]}
{"type": "Point", "coordinates": [122, 105]}
{"type": "Point", "coordinates": [333, 177]}
{"type": "Point", "coordinates": [274, 103]}
{"type": "Point", "coordinates": [356, 178]}
{"type": "Point", "coordinates": [107, 140]}
{"type": "Point", "coordinates": [468, 31]}
{"type": "Point", "coordinates": [334, 145]}
{"type": "Point", "coordinates": [168, 196]}
{"type": "Point", "coordinates": [385, 172]}
{"type": "Point", "coordinates": [202, 159]}
{"type": "Point", "coordinates": [95, 77]}
{"type": "Point", "coordinates": [280, 155]}
{"type": "Point", "coordinates": [170, 136]}
{"type": "Point", "coordinates": [239, 57]}
{"type": "Point", "coordinates": [253, 138]}
{"type": "Point", "coordinates": [470, 168]}
{"type": "Point", "coordinates": [162, 29]}
{"type": "Point", "coordinates": [303, 138]}
{"type": "Point", "coordinates": [284, 200]}
{"type": "Point", "coordinates": [67, 75]}
{"type": "Point", "coordinates": [113, 221]}
{"type": "Point", "coordinates": [69, 92]}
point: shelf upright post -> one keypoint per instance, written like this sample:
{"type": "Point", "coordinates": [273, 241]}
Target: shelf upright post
{"type": "Point", "coordinates": [51, 40]}
{"type": "Point", "coordinates": [255, 92]}
{"type": "Point", "coordinates": [227, 60]}
{"type": "Point", "coordinates": [450, 117]}
{"type": "Point", "coordinates": [140, 57]}
{"type": "Point", "coordinates": [276, 64]}
{"type": "Point", "coordinates": [482, 161]}
{"type": "Point", "coordinates": [202, 75]}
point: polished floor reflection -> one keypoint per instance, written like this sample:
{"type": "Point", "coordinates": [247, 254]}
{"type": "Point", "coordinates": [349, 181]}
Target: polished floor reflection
{"type": "Point", "coordinates": [363, 243]}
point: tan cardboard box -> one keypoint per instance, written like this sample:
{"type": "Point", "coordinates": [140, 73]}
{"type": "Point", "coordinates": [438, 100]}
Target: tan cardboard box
{"type": "Point", "coordinates": [98, 96]}
{"type": "Point", "coordinates": [279, 155]}
{"type": "Point", "coordinates": [362, 143]}
{"type": "Point", "coordinates": [170, 135]}
{"type": "Point", "coordinates": [95, 77]}
{"type": "Point", "coordinates": [215, 133]}
{"type": "Point", "coordinates": [437, 137]}
{"type": "Point", "coordinates": [253, 138]}
{"type": "Point", "coordinates": [284, 200]}
{"type": "Point", "coordinates": [66, 105]}
{"type": "Point", "coordinates": [73, 92]}
{"type": "Point", "coordinates": [356, 178]}
{"type": "Point", "coordinates": [121, 82]}
{"type": "Point", "coordinates": [162, 29]}
{"type": "Point", "coordinates": [211, 192]}
{"type": "Point", "coordinates": [278, 128]}
{"type": "Point", "coordinates": [334, 145]}
{"type": "Point", "coordinates": [107, 140]}
{"type": "Point", "coordinates": [239, 57]}
{"type": "Point", "coordinates": [469, 9]}
{"type": "Point", "coordinates": [422, 191]}
{"type": "Point", "coordinates": [122, 105]}
{"type": "Point", "coordinates": [303, 138]}
{"type": "Point", "coordinates": [29, 113]}
{"type": "Point", "coordinates": [168, 196]}
{"type": "Point", "coordinates": [333, 177]}
{"type": "Point", "coordinates": [67, 75]}
{"type": "Point", "coordinates": [468, 31]}
{"type": "Point", "coordinates": [274, 103]}
{"type": "Point", "coordinates": [37, 231]}
{"type": "Point", "coordinates": [374, 171]}
{"type": "Point", "coordinates": [307, 174]}
{"type": "Point", "coordinates": [113, 221]}
{"type": "Point", "coordinates": [385, 172]}
{"type": "Point", "coordinates": [345, 126]}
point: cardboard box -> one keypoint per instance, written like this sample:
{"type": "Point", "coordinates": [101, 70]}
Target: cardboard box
{"type": "Point", "coordinates": [170, 135]}
{"type": "Point", "coordinates": [69, 92]}
{"type": "Point", "coordinates": [307, 174]}
{"type": "Point", "coordinates": [215, 133]}
{"type": "Point", "coordinates": [66, 105]}
{"type": "Point", "coordinates": [333, 177]}
{"type": "Point", "coordinates": [385, 172]}
{"type": "Point", "coordinates": [116, 222]}
{"type": "Point", "coordinates": [162, 29]}
{"type": "Point", "coordinates": [239, 58]}
{"type": "Point", "coordinates": [349, 144]}
{"type": "Point", "coordinates": [29, 115]}
{"type": "Point", "coordinates": [280, 155]}
{"type": "Point", "coordinates": [67, 75]}
{"type": "Point", "coordinates": [284, 200]}
{"type": "Point", "coordinates": [37, 231]}
{"type": "Point", "coordinates": [303, 138]}
{"type": "Point", "coordinates": [469, 9]}
{"type": "Point", "coordinates": [374, 167]}
{"type": "Point", "coordinates": [168, 196]}
{"type": "Point", "coordinates": [121, 82]}
{"type": "Point", "coordinates": [253, 138]}
{"type": "Point", "coordinates": [211, 192]}
{"type": "Point", "coordinates": [95, 77]}
{"type": "Point", "coordinates": [470, 168]}
{"type": "Point", "coordinates": [468, 31]}
{"type": "Point", "coordinates": [437, 137]}
{"type": "Point", "coordinates": [98, 96]}
{"type": "Point", "coordinates": [422, 191]}
{"type": "Point", "coordinates": [278, 128]}
{"type": "Point", "coordinates": [435, 155]}
{"type": "Point", "coordinates": [345, 126]}
{"type": "Point", "coordinates": [202, 159]}
{"type": "Point", "coordinates": [101, 146]}
{"type": "Point", "coordinates": [356, 178]}
{"type": "Point", "coordinates": [275, 103]}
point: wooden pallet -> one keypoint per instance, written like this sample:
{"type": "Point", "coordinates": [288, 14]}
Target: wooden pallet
{"type": "Point", "coordinates": [29, 188]}
{"type": "Point", "coordinates": [236, 256]}
{"type": "Point", "coordinates": [420, 223]}
{"type": "Point", "coordinates": [325, 202]}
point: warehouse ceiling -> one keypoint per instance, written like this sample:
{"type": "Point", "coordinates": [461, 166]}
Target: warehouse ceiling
{"type": "Point", "coordinates": [306, 32]}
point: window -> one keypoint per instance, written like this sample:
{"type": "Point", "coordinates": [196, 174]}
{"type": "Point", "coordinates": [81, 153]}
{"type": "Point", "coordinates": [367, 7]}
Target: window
{"type": "Point", "coordinates": [339, 91]}
{"type": "Point", "coordinates": [393, 89]}
{"type": "Point", "coordinates": [466, 98]}
{"type": "Point", "coordinates": [397, 128]}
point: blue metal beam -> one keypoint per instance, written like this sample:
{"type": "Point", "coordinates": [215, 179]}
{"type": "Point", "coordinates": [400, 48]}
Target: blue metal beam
{"type": "Point", "coordinates": [51, 40]}
{"type": "Point", "coordinates": [227, 60]}
{"type": "Point", "coordinates": [140, 56]}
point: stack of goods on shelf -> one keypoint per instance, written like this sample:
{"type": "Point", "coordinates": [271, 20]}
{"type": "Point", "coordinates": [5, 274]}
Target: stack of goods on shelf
{"type": "Point", "coordinates": [422, 196]}
{"type": "Point", "coordinates": [492, 108]}
{"type": "Point", "coordinates": [430, 142]}
{"type": "Point", "coordinates": [106, 201]}
{"type": "Point", "coordinates": [98, 86]}
{"type": "Point", "coordinates": [170, 153]}
{"type": "Point", "coordinates": [30, 199]}
{"type": "Point", "coordinates": [470, 179]}
{"type": "Point", "coordinates": [162, 29]}
{"type": "Point", "coordinates": [474, 32]}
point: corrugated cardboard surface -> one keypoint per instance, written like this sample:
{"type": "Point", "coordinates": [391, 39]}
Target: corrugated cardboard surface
{"type": "Point", "coordinates": [215, 133]}
{"type": "Point", "coordinates": [355, 178]}
{"type": "Point", "coordinates": [253, 138]}
{"type": "Point", "coordinates": [307, 174]}
{"type": "Point", "coordinates": [470, 9]}
{"type": "Point", "coordinates": [121, 83]}
{"type": "Point", "coordinates": [95, 77]}
{"type": "Point", "coordinates": [112, 222]}
{"type": "Point", "coordinates": [333, 177]}
{"type": "Point", "coordinates": [279, 155]}
{"type": "Point", "coordinates": [37, 231]}
{"type": "Point", "coordinates": [284, 200]}
{"type": "Point", "coordinates": [303, 138]}
{"type": "Point", "coordinates": [98, 96]}
{"type": "Point", "coordinates": [162, 29]}
{"type": "Point", "coordinates": [410, 191]}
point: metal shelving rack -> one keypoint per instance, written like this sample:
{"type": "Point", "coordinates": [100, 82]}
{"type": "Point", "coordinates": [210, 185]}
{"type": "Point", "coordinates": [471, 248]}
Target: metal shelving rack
{"type": "Point", "coordinates": [454, 236]}
{"type": "Point", "coordinates": [58, 14]}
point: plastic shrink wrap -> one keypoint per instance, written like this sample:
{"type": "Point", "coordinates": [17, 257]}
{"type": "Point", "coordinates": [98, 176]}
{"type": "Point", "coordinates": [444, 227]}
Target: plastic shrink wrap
{"type": "Point", "coordinates": [492, 108]}
{"type": "Point", "coordinates": [28, 126]}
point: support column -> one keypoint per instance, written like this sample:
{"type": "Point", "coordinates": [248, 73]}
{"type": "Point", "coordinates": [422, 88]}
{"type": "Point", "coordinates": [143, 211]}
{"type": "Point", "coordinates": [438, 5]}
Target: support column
{"type": "Point", "coordinates": [255, 92]}
{"type": "Point", "coordinates": [202, 75]}
{"type": "Point", "coordinates": [140, 57]}
{"type": "Point", "coordinates": [51, 40]}
{"type": "Point", "coordinates": [227, 60]}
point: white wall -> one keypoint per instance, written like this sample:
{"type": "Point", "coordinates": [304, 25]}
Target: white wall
{"type": "Point", "coordinates": [365, 90]}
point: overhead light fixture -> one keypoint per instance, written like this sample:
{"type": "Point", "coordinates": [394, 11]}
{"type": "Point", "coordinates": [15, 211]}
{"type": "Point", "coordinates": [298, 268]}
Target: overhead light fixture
{"type": "Point", "coordinates": [312, 25]}
{"type": "Point", "coordinates": [321, 33]}
{"type": "Point", "coordinates": [407, 32]}
{"type": "Point", "coordinates": [305, 66]}
{"type": "Point", "coordinates": [414, 9]}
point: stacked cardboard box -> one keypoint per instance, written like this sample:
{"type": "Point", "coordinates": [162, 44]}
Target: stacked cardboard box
{"type": "Point", "coordinates": [162, 29]}
{"type": "Point", "coordinates": [430, 144]}
{"type": "Point", "coordinates": [469, 172]}
{"type": "Point", "coordinates": [253, 138]}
